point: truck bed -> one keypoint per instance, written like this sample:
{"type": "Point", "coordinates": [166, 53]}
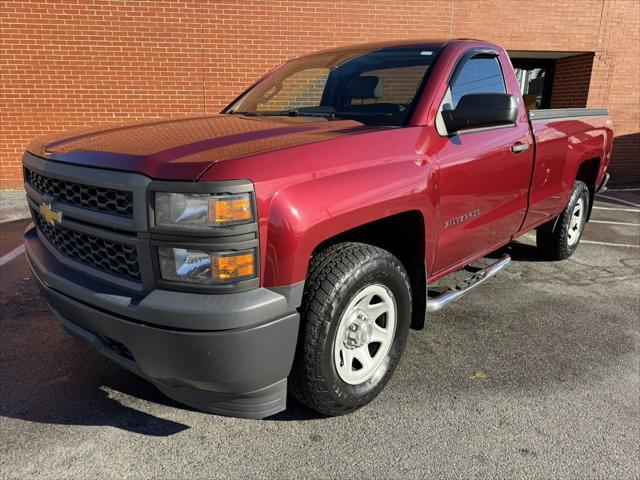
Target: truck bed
{"type": "Point", "coordinates": [564, 137]}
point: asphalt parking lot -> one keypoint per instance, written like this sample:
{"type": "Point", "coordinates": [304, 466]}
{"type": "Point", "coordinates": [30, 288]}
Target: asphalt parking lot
{"type": "Point", "coordinates": [534, 375]}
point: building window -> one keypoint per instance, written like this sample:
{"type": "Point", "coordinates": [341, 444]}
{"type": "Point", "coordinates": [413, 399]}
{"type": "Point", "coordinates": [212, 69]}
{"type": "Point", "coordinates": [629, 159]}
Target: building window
{"type": "Point", "coordinates": [553, 79]}
{"type": "Point", "coordinates": [535, 77]}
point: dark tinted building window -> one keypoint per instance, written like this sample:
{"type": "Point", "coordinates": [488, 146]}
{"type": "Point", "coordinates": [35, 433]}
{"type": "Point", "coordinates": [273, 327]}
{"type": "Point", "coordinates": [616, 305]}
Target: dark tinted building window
{"type": "Point", "coordinates": [535, 77]}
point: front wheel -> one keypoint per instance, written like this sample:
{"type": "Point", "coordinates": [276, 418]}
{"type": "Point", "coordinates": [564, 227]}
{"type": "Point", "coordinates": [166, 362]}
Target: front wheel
{"type": "Point", "coordinates": [560, 242]}
{"type": "Point", "coordinates": [356, 313]}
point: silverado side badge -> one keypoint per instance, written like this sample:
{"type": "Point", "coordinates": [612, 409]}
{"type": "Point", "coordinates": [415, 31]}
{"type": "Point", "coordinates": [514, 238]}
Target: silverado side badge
{"type": "Point", "coordinates": [462, 218]}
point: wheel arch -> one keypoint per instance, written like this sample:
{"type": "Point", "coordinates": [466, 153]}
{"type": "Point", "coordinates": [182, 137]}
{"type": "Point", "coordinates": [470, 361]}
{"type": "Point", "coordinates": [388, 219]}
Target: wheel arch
{"type": "Point", "coordinates": [394, 200]}
{"type": "Point", "coordinates": [587, 172]}
{"type": "Point", "coordinates": [403, 235]}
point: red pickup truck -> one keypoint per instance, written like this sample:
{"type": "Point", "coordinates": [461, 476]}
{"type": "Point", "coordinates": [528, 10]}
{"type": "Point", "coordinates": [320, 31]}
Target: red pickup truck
{"type": "Point", "coordinates": [288, 243]}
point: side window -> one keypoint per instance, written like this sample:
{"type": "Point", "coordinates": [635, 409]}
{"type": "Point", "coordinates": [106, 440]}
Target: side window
{"type": "Point", "coordinates": [478, 75]}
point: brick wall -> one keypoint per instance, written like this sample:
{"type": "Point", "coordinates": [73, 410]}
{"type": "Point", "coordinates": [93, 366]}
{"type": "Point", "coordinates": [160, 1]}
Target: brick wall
{"type": "Point", "coordinates": [615, 84]}
{"type": "Point", "coordinates": [68, 64]}
{"type": "Point", "coordinates": [571, 81]}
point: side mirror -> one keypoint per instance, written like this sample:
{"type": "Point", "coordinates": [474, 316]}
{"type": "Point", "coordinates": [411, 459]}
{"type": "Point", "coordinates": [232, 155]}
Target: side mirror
{"type": "Point", "coordinates": [478, 110]}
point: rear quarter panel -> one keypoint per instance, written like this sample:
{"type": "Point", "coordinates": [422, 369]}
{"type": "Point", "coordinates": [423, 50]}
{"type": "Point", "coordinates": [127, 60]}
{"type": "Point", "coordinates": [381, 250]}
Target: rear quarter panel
{"type": "Point", "coordinates": [561, 147]}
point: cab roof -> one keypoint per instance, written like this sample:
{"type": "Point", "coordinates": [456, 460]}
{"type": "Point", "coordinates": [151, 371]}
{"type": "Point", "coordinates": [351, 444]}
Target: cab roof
{"type": "Point", "coordinates": [424, 43]}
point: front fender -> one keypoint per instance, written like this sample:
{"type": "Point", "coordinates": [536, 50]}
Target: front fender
{"type": "Point", "coordinates": [304, 215]}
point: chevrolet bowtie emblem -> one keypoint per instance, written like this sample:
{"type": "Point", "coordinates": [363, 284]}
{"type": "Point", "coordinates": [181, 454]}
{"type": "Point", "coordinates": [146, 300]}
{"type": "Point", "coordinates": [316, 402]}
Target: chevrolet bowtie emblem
{"type": "Point", "coordinates": [50, 215]}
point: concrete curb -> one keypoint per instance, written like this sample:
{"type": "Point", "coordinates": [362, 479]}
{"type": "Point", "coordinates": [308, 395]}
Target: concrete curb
{"type": "Point", "coordinates": [13, 206]}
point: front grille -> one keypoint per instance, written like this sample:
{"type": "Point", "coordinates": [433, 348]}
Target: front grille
{"type": "Point", "coordinates": [106, 255]}
{"type": "Point", "coordinates": [108, 200]}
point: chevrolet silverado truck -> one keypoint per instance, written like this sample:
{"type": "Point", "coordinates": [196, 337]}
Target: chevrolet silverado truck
{"type": "Point", "coordinates": [288, 243]}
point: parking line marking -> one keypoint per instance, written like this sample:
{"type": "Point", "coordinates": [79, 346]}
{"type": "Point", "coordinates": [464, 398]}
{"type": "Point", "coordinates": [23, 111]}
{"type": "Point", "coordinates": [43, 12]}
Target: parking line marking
{"type": "Point", "coordinates": [609, 244]}
{"type": "Point", "coordinates": [634, 210]}
{"type": "Point", "coordinates": [621, 201]}
{"type": "Point", "coordinates": [623, 190]}
{"type": "Point", "coordinates": [19, 250]}
{"type": "Point", "coordinates": [615, 223]}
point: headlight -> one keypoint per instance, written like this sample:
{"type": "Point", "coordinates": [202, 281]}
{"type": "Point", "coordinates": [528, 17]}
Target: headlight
{"type": "Point", "coordinates": [206, 268]}
{"type": "Point", "coordinates": [200, 211]}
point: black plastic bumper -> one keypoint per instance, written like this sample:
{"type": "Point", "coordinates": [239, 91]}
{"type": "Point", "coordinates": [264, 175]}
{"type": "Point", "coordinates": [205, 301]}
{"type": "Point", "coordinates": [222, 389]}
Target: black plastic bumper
{"type": "Point", "coordinates": [230, 371]}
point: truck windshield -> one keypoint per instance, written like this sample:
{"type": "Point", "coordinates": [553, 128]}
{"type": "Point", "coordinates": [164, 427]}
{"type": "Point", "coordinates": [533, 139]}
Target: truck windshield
{"type": "Point", "coordinates": [374, 87]}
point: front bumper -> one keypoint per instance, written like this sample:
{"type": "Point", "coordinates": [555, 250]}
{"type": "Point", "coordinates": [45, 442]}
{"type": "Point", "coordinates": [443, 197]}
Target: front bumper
{"type": "Point", "coordinates": [228, 354]}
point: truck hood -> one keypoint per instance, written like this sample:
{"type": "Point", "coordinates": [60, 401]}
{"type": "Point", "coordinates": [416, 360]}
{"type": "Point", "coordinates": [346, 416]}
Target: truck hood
{"type": "Point", "coordinates": [183, 149]}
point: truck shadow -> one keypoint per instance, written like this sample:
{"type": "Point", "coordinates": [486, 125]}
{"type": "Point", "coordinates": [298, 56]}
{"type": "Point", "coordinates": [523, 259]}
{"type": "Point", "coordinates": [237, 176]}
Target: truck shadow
{"type": "Point", "coordinates": [60, 381]}
{"type": "Point", "coordinates": [48, 377]}
{"type": "Point", "coordinates": [295, 412]}
{"type": "Point", "coordinates": [519, 252]}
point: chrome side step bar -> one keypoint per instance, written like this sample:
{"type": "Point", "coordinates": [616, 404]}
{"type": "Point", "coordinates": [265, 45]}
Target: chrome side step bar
{"type": "Point", "coordinates": [603, 185]}
{"type": "Point", "coordinates": [436, 303]}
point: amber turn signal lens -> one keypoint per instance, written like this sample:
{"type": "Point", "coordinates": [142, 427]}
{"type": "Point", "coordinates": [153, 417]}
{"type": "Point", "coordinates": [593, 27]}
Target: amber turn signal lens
{"type": "Point", "coordinates": [230, 209]}
{"type": "Point", "coordinates": [229, 267]}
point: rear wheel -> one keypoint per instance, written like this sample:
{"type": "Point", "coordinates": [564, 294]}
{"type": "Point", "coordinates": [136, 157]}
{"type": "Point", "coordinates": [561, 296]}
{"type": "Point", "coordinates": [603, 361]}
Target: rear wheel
{"type": "Point", "coordinates": [560, 242]}
{"type": "Point", "coordinates": [356, 312]}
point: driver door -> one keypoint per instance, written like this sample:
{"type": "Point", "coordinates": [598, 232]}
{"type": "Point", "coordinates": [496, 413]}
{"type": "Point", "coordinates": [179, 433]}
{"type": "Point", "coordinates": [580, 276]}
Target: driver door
{"type": "Point", "coordinates": [484, 173]}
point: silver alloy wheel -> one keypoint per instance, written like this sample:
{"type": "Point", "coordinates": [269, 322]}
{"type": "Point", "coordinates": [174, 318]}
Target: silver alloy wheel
{"type": "Point", "coordinates": [576, 223]}
{"type": "Point", "coordinates": [365, 334]}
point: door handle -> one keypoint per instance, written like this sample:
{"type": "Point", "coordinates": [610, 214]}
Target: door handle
{"type": "Point", "coordinates": [520, 147]}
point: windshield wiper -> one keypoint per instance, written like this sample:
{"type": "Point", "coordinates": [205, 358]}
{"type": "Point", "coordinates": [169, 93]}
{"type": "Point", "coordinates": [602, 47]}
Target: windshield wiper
{"type": "Point", "coordinates": [304, 113]}
{"type": "Point", "coordinates": [362, 114]}
{"type": "Point", "coordinates": [247, 114]}
{"type": "Point", "coordinates": [284, 113]}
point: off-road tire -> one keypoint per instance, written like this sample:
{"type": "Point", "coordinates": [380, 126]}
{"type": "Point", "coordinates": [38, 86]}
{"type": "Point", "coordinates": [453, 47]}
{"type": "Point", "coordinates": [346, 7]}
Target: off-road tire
{"type": "Point", "coordinates": [553, 241]}
{"type": "Point", "coordinates": [336, 275]}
